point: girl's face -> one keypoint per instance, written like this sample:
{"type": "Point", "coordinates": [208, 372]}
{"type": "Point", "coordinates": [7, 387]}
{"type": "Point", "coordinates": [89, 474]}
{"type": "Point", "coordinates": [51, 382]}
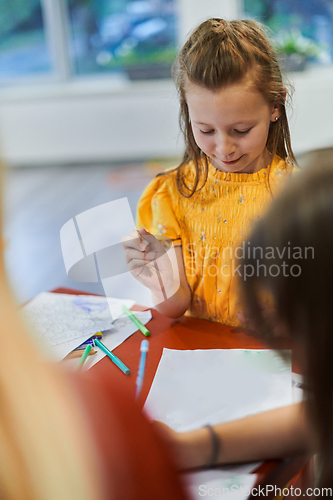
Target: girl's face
{"type": "Point", "coordinates": [231, 125]}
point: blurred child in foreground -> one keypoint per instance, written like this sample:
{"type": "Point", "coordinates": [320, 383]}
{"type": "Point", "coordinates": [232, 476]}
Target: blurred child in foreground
{"type": "Point", "coordinates": [71, 436]}
{"type": "Point", "coordinates": [300, 219]}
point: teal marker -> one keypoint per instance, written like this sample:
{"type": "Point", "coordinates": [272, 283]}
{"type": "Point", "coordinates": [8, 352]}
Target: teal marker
{"type": "Point", "coordinates": [113, 358]}
{"type": "Point", "coordinates": [137, 322]}
{"type": "Point", "coordinates": [85, 355]}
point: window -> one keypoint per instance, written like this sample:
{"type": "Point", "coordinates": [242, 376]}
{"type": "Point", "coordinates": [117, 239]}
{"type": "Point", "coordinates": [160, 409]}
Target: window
{"type": "Point", "coordinates": [137, 37]}
{"type": "Point", "coordinates": [23, 47]}
{"type": "Point", "coordinates": [68, 38]}
{"type": "Point", "coordinates": [303, 26]}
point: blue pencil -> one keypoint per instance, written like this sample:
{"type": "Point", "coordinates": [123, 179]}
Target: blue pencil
{"type": "Point", "coordinates": [142, 364]}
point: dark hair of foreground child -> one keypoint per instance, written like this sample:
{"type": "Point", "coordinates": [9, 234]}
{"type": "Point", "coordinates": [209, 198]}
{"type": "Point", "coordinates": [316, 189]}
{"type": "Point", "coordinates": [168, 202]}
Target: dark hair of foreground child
{"type": "Point", "coordinates": [298, 278]}
{"type": "Point", "coordinates": [299, 223]}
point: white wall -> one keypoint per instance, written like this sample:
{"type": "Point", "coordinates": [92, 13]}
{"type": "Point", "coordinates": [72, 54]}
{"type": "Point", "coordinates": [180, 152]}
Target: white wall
{"type": "Point", "coordinates": [193, 12]}
{"type": "Point", "coordinates": [310, 120]}
{"type": "Point", "coordinates": [95, 123]}
{"type": "Point", "coordinates": [101, 120]}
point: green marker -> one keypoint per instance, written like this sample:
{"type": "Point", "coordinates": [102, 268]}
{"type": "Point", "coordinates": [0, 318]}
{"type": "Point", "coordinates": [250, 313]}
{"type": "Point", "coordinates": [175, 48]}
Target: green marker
{"type": "Point", "coordinates": [137, 322]}
{"type": "Point", "coordinates": [85, 355]}
{"type": "Point", "coordinates": [113, 358]}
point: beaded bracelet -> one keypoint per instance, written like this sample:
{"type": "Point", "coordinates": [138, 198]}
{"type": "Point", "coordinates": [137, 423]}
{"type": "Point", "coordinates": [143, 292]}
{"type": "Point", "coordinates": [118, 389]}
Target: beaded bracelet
{"type": "Point", "coordinates": [215, 446]}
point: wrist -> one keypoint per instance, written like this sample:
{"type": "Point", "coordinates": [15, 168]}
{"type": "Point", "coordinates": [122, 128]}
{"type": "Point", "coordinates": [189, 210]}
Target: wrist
{"type": "Point", "coordinates": [215, 446]}
{"type": "Point", "coordinates": [163, 290]}
{"type": "Point", "coordinates": [194, 448]}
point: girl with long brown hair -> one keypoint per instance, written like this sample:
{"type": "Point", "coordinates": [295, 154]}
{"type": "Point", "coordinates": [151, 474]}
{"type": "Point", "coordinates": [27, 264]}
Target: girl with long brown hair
{"type": "Point", "coordinates": [237, 154]}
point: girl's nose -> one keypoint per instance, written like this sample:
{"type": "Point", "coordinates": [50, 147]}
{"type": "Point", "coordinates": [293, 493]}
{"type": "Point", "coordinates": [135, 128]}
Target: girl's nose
{"type": "Point", "coordinates": [224, 146]}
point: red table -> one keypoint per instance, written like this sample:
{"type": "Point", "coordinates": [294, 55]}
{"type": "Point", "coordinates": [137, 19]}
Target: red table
{"type": "Point", "coordinates": [191, 333]}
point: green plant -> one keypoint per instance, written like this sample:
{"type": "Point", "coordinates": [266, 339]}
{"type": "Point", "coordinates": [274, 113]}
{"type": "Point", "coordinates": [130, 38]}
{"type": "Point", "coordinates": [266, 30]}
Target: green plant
{"type": "Point", "coordinates": [293, 42]}
{"type": "Point", "coordinates": [134, 57]}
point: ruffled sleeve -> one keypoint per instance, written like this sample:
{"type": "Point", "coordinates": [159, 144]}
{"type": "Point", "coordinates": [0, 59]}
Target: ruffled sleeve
{"type": "Point", "coordinates": [158, 209]}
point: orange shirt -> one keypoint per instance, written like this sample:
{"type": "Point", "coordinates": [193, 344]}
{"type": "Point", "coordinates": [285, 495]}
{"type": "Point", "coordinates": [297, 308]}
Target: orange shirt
{"type": "Point", "coordinates": [211, 226]}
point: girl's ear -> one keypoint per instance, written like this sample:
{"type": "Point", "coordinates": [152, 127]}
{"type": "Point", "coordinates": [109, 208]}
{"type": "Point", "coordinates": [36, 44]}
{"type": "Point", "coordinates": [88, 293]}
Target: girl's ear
{"type": "Point", "coordinates": [276, 111]}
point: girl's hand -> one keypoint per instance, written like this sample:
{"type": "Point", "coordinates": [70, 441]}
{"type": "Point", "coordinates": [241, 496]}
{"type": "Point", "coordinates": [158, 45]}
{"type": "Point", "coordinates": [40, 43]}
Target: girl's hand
{"type": "Point", "coordinates": [148, 262]}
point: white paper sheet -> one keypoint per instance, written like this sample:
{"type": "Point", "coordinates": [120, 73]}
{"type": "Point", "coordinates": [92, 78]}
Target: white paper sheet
{"type": "Point", "coordinates": [91, 242]}
{"type": "Point", "coordinates": [198, 387]}
{"type": "Point", "coordinates": [61, 322]}
{"type": "Point", "coordinates": [195, 388]}
{"type": "Point", "coordinates": [218, 484]}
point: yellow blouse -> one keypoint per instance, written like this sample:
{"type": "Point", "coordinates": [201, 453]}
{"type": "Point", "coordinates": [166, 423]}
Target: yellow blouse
{"type": "Point", "coordinates": [211, 226]}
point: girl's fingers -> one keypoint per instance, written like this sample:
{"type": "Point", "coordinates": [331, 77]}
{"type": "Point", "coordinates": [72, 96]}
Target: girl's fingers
{"type": "Point", "coordinates": [131, 254]}
{"type": "Point", "coordinates": [134, 240]}
{"type": "Point", "coordinates": [128, 242]}
{"type": "Point", "coordinates": [135, 264]}
{"type": "Point", "coordinates": [143, 232]}
{"type": "Point", "coordinates": [143, 242]}
{"type": "Point", "coordinates": [145, 257]}
{"type": "Point", "coordinates": [131, 240]}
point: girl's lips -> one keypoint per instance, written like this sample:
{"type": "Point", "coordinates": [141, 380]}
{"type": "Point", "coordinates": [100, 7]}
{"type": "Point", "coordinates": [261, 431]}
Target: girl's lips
{"type": "Point", "coordinates": [231, 162]}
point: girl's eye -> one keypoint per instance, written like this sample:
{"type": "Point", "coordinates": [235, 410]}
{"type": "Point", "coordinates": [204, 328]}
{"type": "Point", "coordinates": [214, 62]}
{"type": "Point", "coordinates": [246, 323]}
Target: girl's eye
{"type": "Point", "coordinates": [206, 131]}
{"type": "Point", "coordinates": [243, 131]}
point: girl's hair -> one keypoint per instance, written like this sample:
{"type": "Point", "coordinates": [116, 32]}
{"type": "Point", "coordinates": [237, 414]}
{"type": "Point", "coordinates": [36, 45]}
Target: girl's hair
{"type": "Point", "coordinates": [45, 451]}
{"type": "Point", "coordinates": [298, 226]}
{"type": "Point", "coordinates": [220, 53]}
